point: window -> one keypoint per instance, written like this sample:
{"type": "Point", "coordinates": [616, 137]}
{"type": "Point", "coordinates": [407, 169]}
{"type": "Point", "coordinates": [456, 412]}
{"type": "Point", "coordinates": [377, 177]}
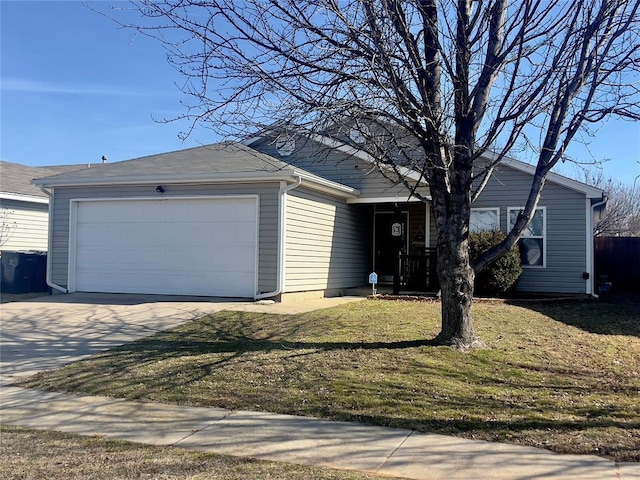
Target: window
{"type": "Point", "coordinates": [533, 238]}
{"type": "Point", "coordinates": [484, 219]}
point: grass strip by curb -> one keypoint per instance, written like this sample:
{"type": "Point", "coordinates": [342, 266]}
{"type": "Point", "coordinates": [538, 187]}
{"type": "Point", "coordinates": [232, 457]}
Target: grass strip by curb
{"type": "Point", "coordinates": [40, 455]}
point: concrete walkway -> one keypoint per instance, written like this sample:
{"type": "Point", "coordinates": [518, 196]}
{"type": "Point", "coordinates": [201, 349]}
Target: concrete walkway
{"type": "Point", "coordinates": [45, 333]}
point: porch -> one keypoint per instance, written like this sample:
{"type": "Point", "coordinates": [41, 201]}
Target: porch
{"type": "Point", "coordinates": [404, 256]}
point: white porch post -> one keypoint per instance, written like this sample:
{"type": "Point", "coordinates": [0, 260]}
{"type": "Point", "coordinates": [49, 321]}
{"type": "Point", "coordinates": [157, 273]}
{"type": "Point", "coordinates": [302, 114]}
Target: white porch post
{"type": "Point", "coordinates": [427, 225]}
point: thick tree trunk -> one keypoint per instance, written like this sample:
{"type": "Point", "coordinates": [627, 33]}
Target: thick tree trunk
{"type": "Point", "coordinates": [456, 283]}
{"type": "Point", "coordinates": [452, 207]}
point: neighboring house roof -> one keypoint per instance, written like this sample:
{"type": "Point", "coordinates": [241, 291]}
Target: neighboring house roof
{"type": "Point", "coordinates": [15, 180]}
{"type": "Point", "coordinates": [220, 162]}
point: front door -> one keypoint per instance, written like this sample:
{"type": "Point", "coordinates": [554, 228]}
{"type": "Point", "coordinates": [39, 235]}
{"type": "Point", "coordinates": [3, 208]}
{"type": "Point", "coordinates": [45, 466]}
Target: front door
{"type": "Point", "coordinates": [384, 261]}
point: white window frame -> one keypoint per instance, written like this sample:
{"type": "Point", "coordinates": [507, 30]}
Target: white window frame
{"type": "Point", "coordinates": [486, 209]}
{"type": "Point", "coordinates": [543, 236]}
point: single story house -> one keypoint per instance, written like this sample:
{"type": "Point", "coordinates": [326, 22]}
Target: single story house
{"type": "Point", "coordinates": [284, 217]}
{"type": "Point", "coordinates": [24, 207]}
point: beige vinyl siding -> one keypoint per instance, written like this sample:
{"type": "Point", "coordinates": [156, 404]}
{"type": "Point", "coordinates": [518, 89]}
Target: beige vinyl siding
{"type": "Point", "coordinates": [566, 244]}
{"type": "Point", "coordinates": [327, 242]}
{"type": "Point", "coordinates": [267, 228]}
{"type": "Point", "coordinates": [30, 229]}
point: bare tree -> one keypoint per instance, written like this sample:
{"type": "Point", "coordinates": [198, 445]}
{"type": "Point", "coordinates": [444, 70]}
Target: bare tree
{"type": "Point", "coordinates": [621, 218]}
{"type": "Point", "coordinates": [7, 225]}
{"type": "Point", "coordinates": [458, 78]}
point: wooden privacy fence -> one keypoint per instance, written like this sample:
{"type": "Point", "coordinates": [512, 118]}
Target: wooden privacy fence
{"type": "Point", "coordinates": [619, 259]}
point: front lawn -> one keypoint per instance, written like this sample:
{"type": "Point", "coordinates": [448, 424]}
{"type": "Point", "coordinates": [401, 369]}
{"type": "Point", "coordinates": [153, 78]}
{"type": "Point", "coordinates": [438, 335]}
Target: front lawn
{"type": "Point", "coordinates": [560, 375]}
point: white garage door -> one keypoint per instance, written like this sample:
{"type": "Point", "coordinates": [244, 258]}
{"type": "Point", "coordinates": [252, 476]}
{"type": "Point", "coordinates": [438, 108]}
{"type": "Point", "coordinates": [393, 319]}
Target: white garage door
{"type": "Point", "coordinates": [186, 246]}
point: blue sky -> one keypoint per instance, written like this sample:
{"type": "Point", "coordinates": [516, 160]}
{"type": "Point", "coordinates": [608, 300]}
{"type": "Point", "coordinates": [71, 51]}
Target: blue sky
{"type": "Point", "coordinates": [76, 87]}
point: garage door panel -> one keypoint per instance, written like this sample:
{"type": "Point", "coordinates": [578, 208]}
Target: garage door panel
{"type": "Point", "coordinates": [113, 234]}
{"type": "Point", "coordinates": [245, 212]}
{"type": "Point", "coordinates": [128, 282]}
{"type": "Point", "coordinates": [95, 234]}
{"type": "Point", "coordinates": [171, 246]}
{"type": "Point", "coordinates": [201, 235]}
{"type": "Point", "coordinates": [221, 236]}
{"type": "Point", "coordinates": [243, 233]}
{"type": "Point", "coordinates": [93, 258]}
{"type": "Point", "coordinates": [243, 261]}
{"type": "Point", "coordinates": [223, 261]}
{"type": "Point", "coordinates": [220, 212]}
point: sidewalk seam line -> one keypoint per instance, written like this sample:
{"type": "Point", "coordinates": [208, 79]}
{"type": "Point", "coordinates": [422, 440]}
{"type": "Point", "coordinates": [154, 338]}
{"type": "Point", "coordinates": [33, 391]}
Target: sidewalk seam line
{"type": "Point", "coordinates": [386, 460]}
{"type": "Point", "coordinates": [210, 424]}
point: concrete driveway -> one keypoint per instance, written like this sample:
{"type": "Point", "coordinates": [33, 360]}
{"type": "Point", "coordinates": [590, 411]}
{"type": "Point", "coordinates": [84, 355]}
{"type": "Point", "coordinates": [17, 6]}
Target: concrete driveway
{"type": "Point", "coordinates": [47, 332]}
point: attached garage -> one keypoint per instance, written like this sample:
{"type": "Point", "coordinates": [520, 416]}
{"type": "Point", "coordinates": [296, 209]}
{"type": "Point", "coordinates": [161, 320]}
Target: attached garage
{"type": "Point", "coordinates": [169, 245]}
{"type": "Point", "coordinates": [207, 221]}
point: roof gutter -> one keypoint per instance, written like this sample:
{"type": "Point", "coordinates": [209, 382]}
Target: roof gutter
{"type": "Point", "coordinates": [163, 178]}
{"type": "Point", "coordinates": [312, 181]}
{"type": "Point", "coordinates": [327, 186]}
{"type": "Point", "coordinates": [282, 226]}
{"type": "Point", "coordinates": [23, 198]}
{"type": "Point", "coordinates": [50, 243]}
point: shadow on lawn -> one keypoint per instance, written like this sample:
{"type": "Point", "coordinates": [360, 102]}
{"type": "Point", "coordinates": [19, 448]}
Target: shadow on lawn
{"type": "Point", "coordinates": [230, 332]}
{"type": "Point", "coordinates": [208, 336]}
{"type": "Point", "coordinates": [619, 316]}
{"type": "Point", "coordinates": [158, 349]}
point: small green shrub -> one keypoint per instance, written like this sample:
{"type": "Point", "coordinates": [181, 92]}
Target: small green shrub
{"type": "Point", "coordinates": [502, 273]}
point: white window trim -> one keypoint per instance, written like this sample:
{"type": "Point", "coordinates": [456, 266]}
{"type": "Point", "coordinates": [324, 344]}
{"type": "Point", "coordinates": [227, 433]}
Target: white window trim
{"type": "Point", "coordinates": [544, 233]}
{"type": "Point", "coordinates": [488, 209]}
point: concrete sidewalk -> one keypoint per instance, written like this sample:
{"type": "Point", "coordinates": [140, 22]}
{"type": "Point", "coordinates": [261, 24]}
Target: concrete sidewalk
{"type": "Point", "coordinates": [309, 441]}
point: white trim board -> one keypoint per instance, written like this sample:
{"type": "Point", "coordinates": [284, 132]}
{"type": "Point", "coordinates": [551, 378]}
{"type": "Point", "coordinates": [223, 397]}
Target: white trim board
{"type": "Point", "coordinates": [23, 198]}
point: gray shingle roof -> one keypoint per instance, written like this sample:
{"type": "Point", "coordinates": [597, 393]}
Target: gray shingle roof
{"type": "Point", "coordinates": [15, 178]}
{"type": "Point", "coordinates": [219, 158]}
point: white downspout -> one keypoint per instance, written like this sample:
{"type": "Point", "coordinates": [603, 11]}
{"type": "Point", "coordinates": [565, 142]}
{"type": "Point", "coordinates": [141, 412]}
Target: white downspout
{"type": "Point", "coordinates": [282, 225]}
{"type": "Point", "coordinates": [50, 242]}
{"type": "Point", "coordinates": [590, 246]}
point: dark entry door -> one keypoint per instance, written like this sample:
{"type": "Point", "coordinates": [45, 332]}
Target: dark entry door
{"type": "Point", "coordinates": [384, 243]}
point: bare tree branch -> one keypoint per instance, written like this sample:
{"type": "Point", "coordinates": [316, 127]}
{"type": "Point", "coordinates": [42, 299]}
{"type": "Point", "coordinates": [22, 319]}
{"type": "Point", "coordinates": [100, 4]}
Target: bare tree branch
{"type": "Point", "coordinates": [621, 217]}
